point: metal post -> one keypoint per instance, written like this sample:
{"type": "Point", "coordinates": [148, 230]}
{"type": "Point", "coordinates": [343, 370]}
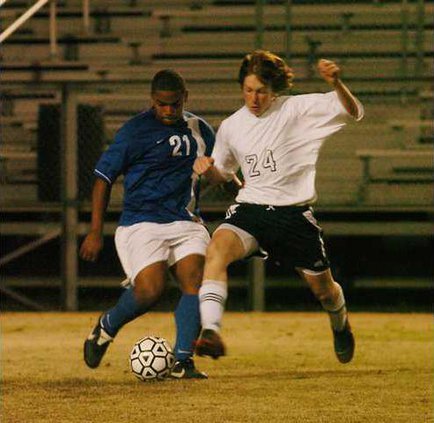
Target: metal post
{"type": "Point", "coordinates": [257, 284]}
{"type": "Point", "coordinates": [420, 37]}
{"type": "Point", "coordinates": [259, 40]}
{"type": "Point", "coordinates": [86, 19]}
{"type": "Point", "coordinates": [366, 177]}
{"type": "Point", "coordinates": [53, 29]}
{"type": "Point", "coordinates": [399, 130]}
{"type": "Point", "coordinates": [404, 39]}
{"type": "Point", "coordinates": [288, 38]}
{"type": "Point", "coordinates": [69, 198]}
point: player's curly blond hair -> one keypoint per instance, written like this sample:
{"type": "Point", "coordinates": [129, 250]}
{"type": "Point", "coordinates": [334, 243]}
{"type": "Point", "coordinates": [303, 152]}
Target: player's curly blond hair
{"type": "Point", "coordinates": [269, 68]}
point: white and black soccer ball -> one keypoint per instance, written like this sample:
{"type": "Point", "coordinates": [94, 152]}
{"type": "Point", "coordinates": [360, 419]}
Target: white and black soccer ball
{"type": "Point", "coordinates": [151, 358]}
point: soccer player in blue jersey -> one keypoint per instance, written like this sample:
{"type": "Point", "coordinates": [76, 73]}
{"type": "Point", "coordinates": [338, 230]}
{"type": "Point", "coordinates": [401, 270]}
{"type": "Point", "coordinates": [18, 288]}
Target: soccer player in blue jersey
{"type": "Point", "coordinates": [155, 152]}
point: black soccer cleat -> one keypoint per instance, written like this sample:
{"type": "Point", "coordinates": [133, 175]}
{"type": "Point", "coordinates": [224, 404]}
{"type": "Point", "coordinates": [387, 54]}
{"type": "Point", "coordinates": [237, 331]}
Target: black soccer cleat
{"type": "Point", "coordinates": [96, 345]}
{"type": "Point", "coordinates": [185, 369]}
{"type": "Point", "coordinates": [210, 343]}
{"type": "Point", "coordinates": [344, 343]}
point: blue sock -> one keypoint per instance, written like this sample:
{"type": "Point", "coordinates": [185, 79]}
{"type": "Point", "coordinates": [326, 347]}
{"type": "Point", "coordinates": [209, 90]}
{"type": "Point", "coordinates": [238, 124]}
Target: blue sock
{"type": "Point", "coordinates": [126, 309]}
{"type": "Point", "coordinates": [187, 321]}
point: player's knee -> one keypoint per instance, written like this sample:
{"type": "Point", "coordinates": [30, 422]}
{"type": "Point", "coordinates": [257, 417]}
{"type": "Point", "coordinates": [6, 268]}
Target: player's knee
{"type": "Point", "coordinates": [191, 289]}
{"type": "Point", "coordinates": [217, 255]}
{"type": "Point", "coordinates": [324, 295]}
{"type": "Point", "coordinates": [192, 282]}
{"type": "Point", "coordinates": [321, 284]}
{"type": "Point", "coordinates": [148, 294]}
{"type": "Point", "coordinates": [325, 292]}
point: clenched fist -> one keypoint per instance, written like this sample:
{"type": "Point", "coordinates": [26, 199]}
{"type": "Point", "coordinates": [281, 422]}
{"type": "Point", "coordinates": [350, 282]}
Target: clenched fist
{"type": "Point", "coordinates": [329, 71]}
{"type": "Point", "coordinates": [202, 165]}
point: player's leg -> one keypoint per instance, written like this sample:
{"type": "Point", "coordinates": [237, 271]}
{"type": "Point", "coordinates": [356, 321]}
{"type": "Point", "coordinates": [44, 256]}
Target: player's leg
{"type": "Point", "coordinates": [133, 302]}
{"type": "Point", "coordinates": [331, 297]}
{"type": "Point", "coordinates": [188, 272]}
{"type": "Point", "coordinates": [143, 255]}
{"type": "Point", "coordinates": [137, 299]}
{"type": "Point", "coordinates": [226, 247]}
{"type": "Point", "coordinates": [306, 246]}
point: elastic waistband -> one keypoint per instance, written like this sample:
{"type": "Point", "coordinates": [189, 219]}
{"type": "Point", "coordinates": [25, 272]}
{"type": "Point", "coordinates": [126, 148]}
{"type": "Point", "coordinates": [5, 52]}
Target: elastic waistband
{"type": "Point", "coordinates": [295, 207]}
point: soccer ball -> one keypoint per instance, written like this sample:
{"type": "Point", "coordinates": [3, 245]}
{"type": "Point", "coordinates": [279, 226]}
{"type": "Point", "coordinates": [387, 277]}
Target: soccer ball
{"type": "Point", "coordinates": [151, 358]}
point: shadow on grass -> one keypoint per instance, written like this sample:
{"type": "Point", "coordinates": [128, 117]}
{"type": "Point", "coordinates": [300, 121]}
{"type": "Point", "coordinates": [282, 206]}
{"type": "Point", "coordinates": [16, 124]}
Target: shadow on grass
{"type": "Point", "coordinates": [89, 384]}
{"type": "Point", "coordinates": [314, 374]}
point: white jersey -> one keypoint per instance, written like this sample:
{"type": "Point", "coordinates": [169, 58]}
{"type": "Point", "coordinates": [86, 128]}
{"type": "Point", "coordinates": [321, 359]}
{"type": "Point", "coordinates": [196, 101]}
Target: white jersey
{"type": "Point", "coordinates": [277, 151]}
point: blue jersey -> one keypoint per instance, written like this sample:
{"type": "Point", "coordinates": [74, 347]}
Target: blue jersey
{"type": "Point", "coordinates": [157, 163]}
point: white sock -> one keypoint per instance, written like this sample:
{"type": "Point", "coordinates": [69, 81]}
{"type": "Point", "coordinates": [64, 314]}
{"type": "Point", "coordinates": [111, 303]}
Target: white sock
{"type": "Point", "coordinates": [212, 299]}
{"type": "Point", "coordinates": [337, 310]}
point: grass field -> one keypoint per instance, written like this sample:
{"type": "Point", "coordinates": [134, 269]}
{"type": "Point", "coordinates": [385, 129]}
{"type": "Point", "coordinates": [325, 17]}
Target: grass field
{"type": "Point", "coordinates": [280, 368]}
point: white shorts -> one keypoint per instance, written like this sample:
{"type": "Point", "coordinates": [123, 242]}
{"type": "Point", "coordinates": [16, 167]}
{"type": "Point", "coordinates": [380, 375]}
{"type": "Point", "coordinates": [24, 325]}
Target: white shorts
{"type": "Point", "coordinates": [145, 243]}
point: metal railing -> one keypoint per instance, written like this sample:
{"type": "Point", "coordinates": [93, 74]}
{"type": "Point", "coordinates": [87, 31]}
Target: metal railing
{"type": "Point", "coordinates": [418, 9]}
{"type": "Point", "coordinates": [53, 21]}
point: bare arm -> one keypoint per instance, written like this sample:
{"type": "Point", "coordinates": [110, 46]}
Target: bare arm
{"type": "Point", "coordinates": [330, 72]}
{"type": "Point", "coordinates": [93, 243]}
{"type": "Point", "coordinates": [205, 166]}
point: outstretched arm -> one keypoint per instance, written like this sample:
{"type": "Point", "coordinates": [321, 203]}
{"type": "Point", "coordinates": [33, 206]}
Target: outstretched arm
{"type": "Point", "coordinates": [205, 166]}
{"type": "Point", "coordinates": [93, 243]}
{"type": "Point", "coordinates": [330, 72]}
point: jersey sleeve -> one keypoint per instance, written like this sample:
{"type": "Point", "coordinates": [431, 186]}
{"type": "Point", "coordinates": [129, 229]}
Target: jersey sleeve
{"type": "Point", "coordinates": [113, 161]}
{"type": "Point", "coordinates": [224, 159]}
{"type": "Point", "coordinates": [208, 135]}
{"type": "Point", "coordinates": [327, 107]}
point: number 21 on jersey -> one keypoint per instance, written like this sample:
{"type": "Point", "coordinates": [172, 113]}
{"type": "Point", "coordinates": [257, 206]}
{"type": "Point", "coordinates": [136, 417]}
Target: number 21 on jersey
{"type": "Point", "coordinates": [268, 162]}
{"type": "Point", "coordinates": [176, 142]}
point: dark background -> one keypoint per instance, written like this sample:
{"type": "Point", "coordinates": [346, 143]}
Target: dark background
{"type": "Point", "coordinates": [378, 273]}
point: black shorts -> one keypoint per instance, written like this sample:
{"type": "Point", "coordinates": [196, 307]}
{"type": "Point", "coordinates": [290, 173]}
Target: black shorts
{"type": "Point", "coordinates": [289, 234]}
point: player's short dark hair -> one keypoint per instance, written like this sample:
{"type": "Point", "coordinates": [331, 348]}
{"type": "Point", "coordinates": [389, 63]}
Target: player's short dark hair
{"type": "Point", "coordinates": [269, 68]}
{"type": "Point", "coordinates": [167, 80]}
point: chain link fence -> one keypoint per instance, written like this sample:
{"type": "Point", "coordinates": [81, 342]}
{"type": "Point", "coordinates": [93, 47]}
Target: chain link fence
{"type": "Point", "coordinates": [90, 144]}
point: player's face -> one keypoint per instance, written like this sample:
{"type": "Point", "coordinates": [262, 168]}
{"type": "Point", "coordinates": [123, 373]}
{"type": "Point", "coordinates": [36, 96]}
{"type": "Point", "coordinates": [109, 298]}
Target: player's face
{"type": "Point", "coordinates": [257, 96]}
{"type": "Point", "coordinates": [169, 106]}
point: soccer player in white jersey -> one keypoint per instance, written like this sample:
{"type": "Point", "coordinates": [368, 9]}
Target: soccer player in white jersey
{"type": "Point", "coordinates": [275, 140]}
{"type": "Point", "coordinates": [155, 151]}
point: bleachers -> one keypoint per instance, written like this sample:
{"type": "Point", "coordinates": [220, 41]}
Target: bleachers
{"type": "Point", "coordinates": [128, 41]}
{"type": "Point", "coordinates": [223, 32]}
{"type": "Point", "coordinates": [303, 16]}
{"type": "Point", "coordinates": [340, 188]}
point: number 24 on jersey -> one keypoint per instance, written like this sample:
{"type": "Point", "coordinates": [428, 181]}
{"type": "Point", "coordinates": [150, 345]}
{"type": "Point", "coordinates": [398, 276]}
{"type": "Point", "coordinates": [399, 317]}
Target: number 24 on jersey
{"type": "Point", "coordinates": [267, 163]}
